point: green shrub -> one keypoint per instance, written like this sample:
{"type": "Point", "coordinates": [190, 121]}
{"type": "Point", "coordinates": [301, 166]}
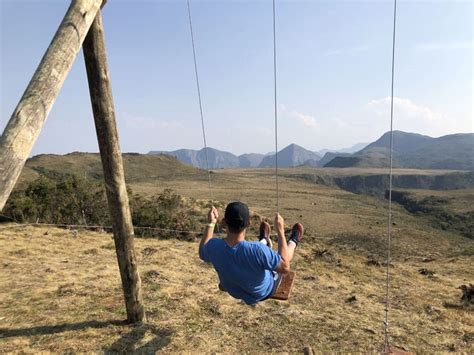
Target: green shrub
{"type": "Point", "coordinates": [59, 199]}
{"type": "Point", "coordinates": [69, 199]}
{"type": "Point", "coordinates": [167, 210]}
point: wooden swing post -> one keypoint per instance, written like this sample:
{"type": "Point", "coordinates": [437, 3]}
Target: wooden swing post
{"type": "Point", "coordinates": [100, 89]}
{"type": "Point", "coordinates": [27, 120]}
{"type": "Point", "coordinates": [82, 23]}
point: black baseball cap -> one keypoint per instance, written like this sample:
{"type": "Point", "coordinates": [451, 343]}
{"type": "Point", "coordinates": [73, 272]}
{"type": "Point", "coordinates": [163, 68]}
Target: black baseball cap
{"type": "Point", "coordinates": [237, 215]}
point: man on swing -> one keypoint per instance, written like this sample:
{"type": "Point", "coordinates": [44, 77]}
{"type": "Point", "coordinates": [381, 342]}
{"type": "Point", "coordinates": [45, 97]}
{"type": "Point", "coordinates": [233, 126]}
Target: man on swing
{"type": "Point", "coordinates": [250, 271]}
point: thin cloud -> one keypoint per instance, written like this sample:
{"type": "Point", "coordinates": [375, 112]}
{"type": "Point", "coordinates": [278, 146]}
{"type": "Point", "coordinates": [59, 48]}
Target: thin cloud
{"type": "Point", "coordinates": [306, 120]}
{"type": "Point", "coordinates": [444, 46]}
{"type": "Point", "coordinates": [409, 116]}
{"type": "Point", "coordinates": [403, 107]}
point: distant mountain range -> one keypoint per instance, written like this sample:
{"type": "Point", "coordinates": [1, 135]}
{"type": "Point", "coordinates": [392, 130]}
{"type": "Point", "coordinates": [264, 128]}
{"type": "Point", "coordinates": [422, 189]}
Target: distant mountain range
{"type": "Point", "coordinates": [217, 158]}
{"type": "Point", "coordinates": [455, 151]}
{"type": "Point", "coordinates": [410, 150]}
{"type": "Point", "coordinates": [290, 156]}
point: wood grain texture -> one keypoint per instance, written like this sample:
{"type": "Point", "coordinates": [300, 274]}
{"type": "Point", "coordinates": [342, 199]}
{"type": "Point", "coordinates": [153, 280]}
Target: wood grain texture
{"type": "Point", "coordinates": [100, 90]}
{"type": "Point", "coordinates": [283, 291]}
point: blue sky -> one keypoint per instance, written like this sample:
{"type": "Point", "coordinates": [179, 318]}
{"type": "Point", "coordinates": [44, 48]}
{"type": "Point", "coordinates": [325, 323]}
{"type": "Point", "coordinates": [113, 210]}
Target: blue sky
{"type": "Point", "coordinates": [334, 62]}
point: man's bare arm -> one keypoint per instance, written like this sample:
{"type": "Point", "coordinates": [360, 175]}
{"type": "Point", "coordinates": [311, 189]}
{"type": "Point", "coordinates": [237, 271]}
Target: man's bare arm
{"type": "Point", "coordinates": [209, 231]}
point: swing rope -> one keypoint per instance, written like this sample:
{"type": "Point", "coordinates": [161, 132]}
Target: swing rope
{"type": "Point", "coordinates": [200, 104]}
{"type": "Point", "coordinates": [389, 226]}
{"type": "Point", "coordinates": [275, 109]}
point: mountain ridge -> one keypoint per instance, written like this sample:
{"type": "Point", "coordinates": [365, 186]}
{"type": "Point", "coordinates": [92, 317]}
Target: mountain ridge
{"type": "Point", "coordinates": [289, 157]}
{"type": "Point", "coordinates": [411, 150]}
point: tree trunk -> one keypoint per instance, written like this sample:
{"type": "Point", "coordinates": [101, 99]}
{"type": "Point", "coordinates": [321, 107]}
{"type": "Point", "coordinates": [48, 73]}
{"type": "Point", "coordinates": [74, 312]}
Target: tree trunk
{"type": "Point", "coordinates": [107, 135]}
{"type": "Point", "coordinates": [27, 120]}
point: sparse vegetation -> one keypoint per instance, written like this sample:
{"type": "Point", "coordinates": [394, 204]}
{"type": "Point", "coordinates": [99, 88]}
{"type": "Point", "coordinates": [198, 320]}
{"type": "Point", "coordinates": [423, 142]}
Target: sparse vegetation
{"type": "Point", "coordinates": [57, 296]}
{"type": "Point", "coordinates": [68, 199]}
{"type": "Point", "coordinates": [61, 289]}
{"type": "Point", "coordinates": [435, 208]}
{"type": "Point", "coordinates": [59, 198]}
{"type": "Point", "coordinates": [167, 210]}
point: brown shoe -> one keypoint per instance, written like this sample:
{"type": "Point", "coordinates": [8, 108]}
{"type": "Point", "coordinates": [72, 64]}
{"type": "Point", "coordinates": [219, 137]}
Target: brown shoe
{"type": "Point", "coordinates": [297, 233]}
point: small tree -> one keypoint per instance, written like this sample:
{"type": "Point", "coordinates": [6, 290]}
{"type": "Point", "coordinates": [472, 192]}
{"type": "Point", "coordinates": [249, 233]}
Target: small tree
{"type": "Point", "coordinates": [59, 198]}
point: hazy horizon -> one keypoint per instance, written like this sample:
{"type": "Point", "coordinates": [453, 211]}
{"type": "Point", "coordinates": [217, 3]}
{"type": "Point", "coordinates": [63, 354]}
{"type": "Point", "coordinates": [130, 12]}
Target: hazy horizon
{"type": "Point", "coordinates": [320, 151]}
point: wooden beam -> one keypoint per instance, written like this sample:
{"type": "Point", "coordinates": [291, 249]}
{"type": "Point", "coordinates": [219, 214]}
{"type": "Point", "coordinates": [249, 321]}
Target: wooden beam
{"type": "Point", "coordinates": [27, 120]}
{"type": "Point", "coordinates": [104, 116]}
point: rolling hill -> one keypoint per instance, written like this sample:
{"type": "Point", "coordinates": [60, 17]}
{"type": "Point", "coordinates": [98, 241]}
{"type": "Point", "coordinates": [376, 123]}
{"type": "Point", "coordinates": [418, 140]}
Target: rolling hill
{"type": "Point", "coordinates": [197, 158]}
{"type": "Point", "coordinates": [138, 167]}
{"type": "Point", "coordinates": [410, 150]}
{"type": "Point", "coordinates": [290, 156]}
{"type": "Point", "coordinates": [218, 159]}
{"type": "Point", "coordinates": [146, 169]}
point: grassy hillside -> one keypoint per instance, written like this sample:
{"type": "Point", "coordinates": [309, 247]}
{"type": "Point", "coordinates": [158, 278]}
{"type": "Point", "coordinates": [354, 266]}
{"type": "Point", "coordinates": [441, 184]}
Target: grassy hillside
{"type": "Point", "coordinates": [143, 171]}
{"type": "Point", "coordinates": [138, 167]}
{"type": "Point", "coordinates": [61, 292]}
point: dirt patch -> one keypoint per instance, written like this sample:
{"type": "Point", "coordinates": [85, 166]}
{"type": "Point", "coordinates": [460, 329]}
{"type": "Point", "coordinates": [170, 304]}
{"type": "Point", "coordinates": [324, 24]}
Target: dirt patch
{"type": "Point", "coordinates": [324, 254]}
{"type": "Point", "coordinates": [467, 293]}
{"type": "Point", "coordinates": [20, 252]}
{"type": "Point", "coordinates": [374, 260]}
{"type": "Point", "coordinates": [211, 307]}
{"type": "Point", "coordinates": [151, 276]}
{"type": "Point", "coordinates": [351, 299]}
{"type": "Point", "coordinates": [363, 243]}
{"type": "Point", "coordinates": [70, 289]}
{"type": "Point", "coordinates": [93, 251]}
{"type": "Point", "coordinates": [426, 272]}
{"type": "Point", "coordinates": [149, 251]}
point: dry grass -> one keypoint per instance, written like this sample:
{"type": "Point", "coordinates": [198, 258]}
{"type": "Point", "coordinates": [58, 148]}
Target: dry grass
{"type": "Point", "coordinates": [61, 293]}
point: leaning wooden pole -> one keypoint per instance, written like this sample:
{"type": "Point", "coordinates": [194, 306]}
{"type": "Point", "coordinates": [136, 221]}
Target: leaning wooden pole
{"type": "Point", "coordinates": [27, 120]}
{"type": "Point", "coordinates": [104, 116]}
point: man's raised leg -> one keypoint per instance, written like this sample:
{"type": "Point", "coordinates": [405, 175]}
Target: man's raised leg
{"type": "Point", "coordinates": [295, 238]}
{"type": "Point", "coordinates": [264, 235]}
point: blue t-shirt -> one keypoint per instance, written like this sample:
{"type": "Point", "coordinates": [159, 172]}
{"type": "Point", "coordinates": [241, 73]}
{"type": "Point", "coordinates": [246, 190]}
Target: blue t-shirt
{"type": "Point", "coordinates": [245, 270]}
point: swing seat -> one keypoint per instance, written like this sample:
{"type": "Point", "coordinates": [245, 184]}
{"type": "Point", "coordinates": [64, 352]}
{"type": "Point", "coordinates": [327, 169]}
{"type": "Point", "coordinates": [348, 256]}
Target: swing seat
{"type": "Point", "coordinates": [283, 290]}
